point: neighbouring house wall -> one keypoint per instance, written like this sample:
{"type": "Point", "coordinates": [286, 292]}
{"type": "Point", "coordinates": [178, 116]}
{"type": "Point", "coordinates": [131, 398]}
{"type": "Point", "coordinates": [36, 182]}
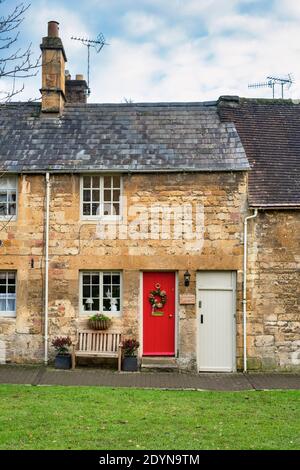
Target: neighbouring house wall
{"type": "Point", "coordinates": [75, 246]}
{"type": "Point", "coordinates": [274, 290]}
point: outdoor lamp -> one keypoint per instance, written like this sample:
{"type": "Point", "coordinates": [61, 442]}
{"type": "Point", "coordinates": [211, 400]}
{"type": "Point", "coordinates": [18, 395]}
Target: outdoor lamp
{"type": "Point", "coordinates": [187, 278]}
{"type": "Point", "coordinates": [89, 302]}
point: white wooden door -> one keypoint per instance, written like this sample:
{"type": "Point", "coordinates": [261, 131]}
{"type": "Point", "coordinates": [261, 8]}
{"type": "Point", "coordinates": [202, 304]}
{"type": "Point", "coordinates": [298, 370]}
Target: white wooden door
{"type": "Point", "coordinates": [216, 321]}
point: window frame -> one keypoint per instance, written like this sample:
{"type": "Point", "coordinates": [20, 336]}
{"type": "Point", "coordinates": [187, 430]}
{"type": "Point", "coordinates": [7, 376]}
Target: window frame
{"type": "Point", "coordinates": [101, 216]}
{"type": "Point", "coordinates": [88, 313]}
{"type": "Point", "coordinates": [10, 313]}
{"type": "Point", "coordinates": [15, 176]}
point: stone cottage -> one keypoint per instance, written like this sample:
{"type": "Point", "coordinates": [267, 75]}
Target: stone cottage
{"type": "Point", "coordinates": [179, 221]}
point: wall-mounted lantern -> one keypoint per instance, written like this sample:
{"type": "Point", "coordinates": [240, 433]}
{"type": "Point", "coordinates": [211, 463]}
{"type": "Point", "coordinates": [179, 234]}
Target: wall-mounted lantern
{"type": "Point", "coordinates": [187, 278]}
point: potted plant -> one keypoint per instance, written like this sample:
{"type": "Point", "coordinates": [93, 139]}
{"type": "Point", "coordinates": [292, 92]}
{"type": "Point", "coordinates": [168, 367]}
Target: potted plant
{"type": "Point", "coordinates": [63, 357]}
{"type": "Point", "coordinates": [99, 322]}
{"type": "Point", "coordinates": [130, 360]}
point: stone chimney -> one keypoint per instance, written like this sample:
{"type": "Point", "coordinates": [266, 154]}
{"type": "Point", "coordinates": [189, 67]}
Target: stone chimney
{"type": "Point", "coordinates": [76, 90]}
{"type": "Point", "coordinates": [53, 71]}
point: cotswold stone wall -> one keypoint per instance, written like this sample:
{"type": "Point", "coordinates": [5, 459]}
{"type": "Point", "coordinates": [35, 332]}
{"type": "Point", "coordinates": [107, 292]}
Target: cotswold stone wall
{"type": "Point", "coordinates": [274, 291]}
{"type": "Point", "coordinates": [75, 245]}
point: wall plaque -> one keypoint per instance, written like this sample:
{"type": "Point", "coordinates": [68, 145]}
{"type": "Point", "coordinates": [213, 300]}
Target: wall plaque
{"type": "Point", "coordinates": [187, 299]}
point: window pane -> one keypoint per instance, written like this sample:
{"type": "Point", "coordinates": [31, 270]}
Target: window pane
{"type": "Point", "coordinates": [107, 195]}
{"type": "Point", "coordinates": [95, 279]}
{"type": "Point", "coordinates": [11, 305]}
{"type": "Point", "coordinates": [107, 209]}
{"type": "Point", "coordinates": [106, 304]}
{"type": "Point", "coordinates": [11, 197]}
{"type": "Point", "coordinates": [2, 289]}
{"type": "Point", "coordinates": [11, 278]}
{"type": "Point", "coordinates": [86, 278]}
{"type": "Point", "coordinates": [3, 209]}
{"type": "Point", "coordinates": [2, 277]}
{"type": "Point", "coordinates": [96, 195]}
{"type": "Point", "coordinates": [116, 195]}
{"type": "Point", "coordinates": [107, 278]}
{"type": "Point", "coordinates": [96, 182]}
{"type": "Point", "coordinates": [86, 291]}
{"type": "Point", "coordinates": [86, 209]}
{"type": "Point", "coordinates": [116, 181]}
{"type": "Point", "coordinates": [12, 209]}
{"type": "Point", "coordinates": [86, 195]}
{"type": "Point", "coordinates": [106, 292]}
{"type": "Point", "coordinates": [107, 182]}
{"type": "Point", "coordinates": [2, 304]}
{"type": "Point", "coordinates": [116, 279]}
{"type": "Point", "coordinates": [3, 196]}
{"type": "Point", "coordinates": [116, 291]}
{"type": "Point", "coordinates": [11, 182]}
{"type": "Point", "coordinates": [116, 209]}
{"type": "Point", "coordinates": [95, 209]}
{"type": "Point", "coordinates": [11, 289]}
{"type": "Point", "coordinates": [87, 180]}
{"type": "Point", "coordinates": [95, 291]}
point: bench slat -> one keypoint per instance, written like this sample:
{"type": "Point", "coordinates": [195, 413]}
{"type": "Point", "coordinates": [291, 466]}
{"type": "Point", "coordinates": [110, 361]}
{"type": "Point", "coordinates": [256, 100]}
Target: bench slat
{"type": "Point", "coordinates": [98, 344]}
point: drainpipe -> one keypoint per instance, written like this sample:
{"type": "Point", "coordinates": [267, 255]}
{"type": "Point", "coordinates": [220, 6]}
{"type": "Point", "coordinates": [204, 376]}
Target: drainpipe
{"type": "Point", "coordinates": [245, 287]}
{"type": "Point", "coordinates": [47, 264]}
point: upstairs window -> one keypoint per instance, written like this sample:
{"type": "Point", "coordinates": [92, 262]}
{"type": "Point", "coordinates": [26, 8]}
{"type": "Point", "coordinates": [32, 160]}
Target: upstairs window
{"type": "Point", "coordinates": [7, 293]}
{"type": "Point", "coordinates": [101, 292]}
{"type": "Point", "coordinates": [8, 196]}
{"type": "Point", "coordinates": [101, 196]}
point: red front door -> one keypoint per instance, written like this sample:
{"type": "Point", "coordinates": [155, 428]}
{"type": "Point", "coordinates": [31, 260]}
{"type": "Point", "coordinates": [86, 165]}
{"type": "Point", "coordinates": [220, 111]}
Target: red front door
{"type": "Point", "coordinates": [159, 321]}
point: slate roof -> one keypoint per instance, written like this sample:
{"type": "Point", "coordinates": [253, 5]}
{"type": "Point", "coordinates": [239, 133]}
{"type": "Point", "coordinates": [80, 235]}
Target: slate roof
{"type": "Point", "coordinates": [270, 133]}
{"type": "Point", "coordinates": [119, 137]}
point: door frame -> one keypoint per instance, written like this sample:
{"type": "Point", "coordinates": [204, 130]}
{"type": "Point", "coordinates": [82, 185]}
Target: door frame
{"type": "Point", "coordinates": [234, 309]}
{"type": "Point", "coordinates": [141, 313]}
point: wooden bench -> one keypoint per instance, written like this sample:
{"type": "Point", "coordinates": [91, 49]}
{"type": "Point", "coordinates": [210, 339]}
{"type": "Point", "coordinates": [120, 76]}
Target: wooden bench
{"type": "Point", "coordinates": [95, 343]}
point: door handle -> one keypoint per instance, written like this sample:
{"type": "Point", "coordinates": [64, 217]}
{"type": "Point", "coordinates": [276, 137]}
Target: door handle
{"type": "Point", "coordinates": [201, 319]}
{"type": "Point", "coordinates": [170, 316]}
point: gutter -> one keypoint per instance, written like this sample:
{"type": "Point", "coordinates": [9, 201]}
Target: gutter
{"type": "Point", "coordinates": [244, 302]}
{"type": "Point", "coordinates": [46, 266]}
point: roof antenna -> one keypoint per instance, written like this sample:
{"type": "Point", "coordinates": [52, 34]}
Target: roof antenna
{"type": "Point", "coordinates": [273, 81]}
{"type": "Point", "coordinates": [97, 44]}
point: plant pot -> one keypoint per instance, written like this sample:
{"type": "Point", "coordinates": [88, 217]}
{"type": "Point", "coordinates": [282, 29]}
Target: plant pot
{"type": "Point", "coordinates": [130, 363]}
{"type": "Point", "coordinates": [99, 324]}
{"type": "Point", "coordinates": [63, 361]}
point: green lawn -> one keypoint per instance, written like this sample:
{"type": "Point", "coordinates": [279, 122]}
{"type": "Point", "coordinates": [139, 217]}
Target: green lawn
{"type": "Point", "coordinates": [106, 418]}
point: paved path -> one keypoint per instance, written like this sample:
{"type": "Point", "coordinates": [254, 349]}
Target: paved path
{"type": "Point", "coordinates": [37, 375]}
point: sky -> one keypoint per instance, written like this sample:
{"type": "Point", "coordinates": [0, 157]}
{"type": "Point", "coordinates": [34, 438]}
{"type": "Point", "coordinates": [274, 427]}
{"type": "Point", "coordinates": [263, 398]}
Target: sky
{"type": "Point", "coordinates": [171, 50]}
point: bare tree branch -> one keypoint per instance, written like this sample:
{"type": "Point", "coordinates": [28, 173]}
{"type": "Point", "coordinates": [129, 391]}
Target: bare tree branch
{"type": "Point", "coordinates": [17, 63]}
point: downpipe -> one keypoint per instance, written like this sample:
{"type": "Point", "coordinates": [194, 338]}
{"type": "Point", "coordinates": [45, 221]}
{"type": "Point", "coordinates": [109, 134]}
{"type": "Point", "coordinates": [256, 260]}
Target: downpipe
{"type": "Point", "coordinates": [244, 301]}
{"type": "Point", "coordinates": [46, 267]}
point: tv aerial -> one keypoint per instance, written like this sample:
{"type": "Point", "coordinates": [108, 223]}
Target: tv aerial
{"type": "Point", "coordinates": [272, 82]}
{"type": "Point", "coordinates": [96, 44]}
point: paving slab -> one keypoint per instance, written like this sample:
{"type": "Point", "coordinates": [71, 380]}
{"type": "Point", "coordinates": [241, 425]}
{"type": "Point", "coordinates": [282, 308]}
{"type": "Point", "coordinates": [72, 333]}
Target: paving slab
{"type": "Point", "coordinates": [11, 374]}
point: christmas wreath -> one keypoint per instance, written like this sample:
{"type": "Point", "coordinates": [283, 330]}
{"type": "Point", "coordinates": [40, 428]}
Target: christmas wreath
{"type": "Point", "coordinates": [157, 303]}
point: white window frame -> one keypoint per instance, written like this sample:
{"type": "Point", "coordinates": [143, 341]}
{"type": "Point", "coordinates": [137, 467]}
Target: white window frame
{"type": "Point", "coordinates": [15, 177]}
{"type": "Point", "coordinates": [88, 313]}
{"type": "Point", "coordinates": [8, 313]}
{"type": "Point", "coordinates": [101, 216]}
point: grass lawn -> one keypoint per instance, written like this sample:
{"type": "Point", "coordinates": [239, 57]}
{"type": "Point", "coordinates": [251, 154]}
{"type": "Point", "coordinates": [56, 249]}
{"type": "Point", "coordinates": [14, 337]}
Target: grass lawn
{"type": "Point", "coordinates": [107, 418]}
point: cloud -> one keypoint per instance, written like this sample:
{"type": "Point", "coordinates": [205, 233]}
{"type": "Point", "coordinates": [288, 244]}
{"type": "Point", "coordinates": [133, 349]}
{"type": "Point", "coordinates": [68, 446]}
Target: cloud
{"type": "Point", "coordinates": [174, 50]}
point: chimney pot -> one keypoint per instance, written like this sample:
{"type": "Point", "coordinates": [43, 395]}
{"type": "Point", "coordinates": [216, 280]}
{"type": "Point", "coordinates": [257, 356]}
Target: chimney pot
{"type": "Point", "coordinates": [53, 29]}
{"type": "Point", "coordinates": [79, 77]}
